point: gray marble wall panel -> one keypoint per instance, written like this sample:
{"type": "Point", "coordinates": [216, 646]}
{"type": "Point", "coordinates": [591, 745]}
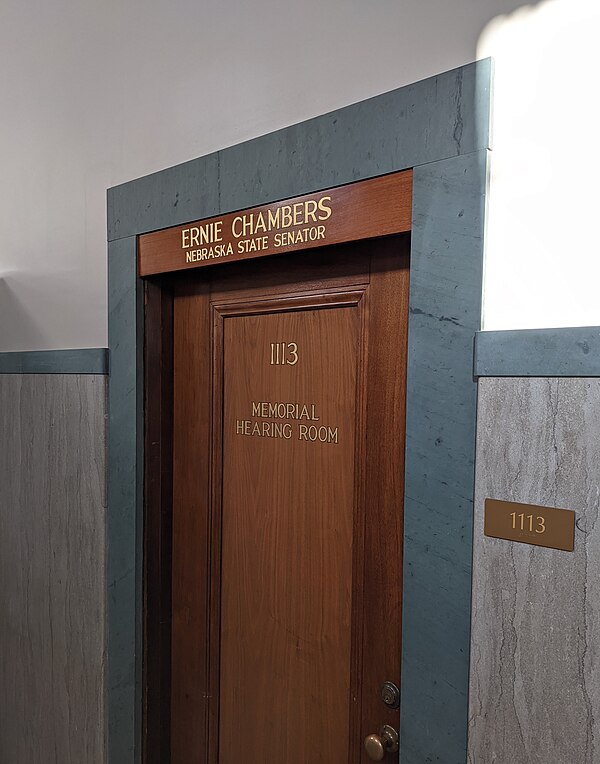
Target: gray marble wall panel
{"type": "Point", "coordinates": [535, 660]}
{"type": "Point", "coordinates": [52, 547]}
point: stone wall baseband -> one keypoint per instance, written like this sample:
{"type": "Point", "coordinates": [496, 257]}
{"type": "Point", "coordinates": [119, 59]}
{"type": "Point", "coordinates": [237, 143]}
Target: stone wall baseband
{"type": "Point", "coordinates": [568, 352]}
{"type": "Point", "coordinates": [80, 361]}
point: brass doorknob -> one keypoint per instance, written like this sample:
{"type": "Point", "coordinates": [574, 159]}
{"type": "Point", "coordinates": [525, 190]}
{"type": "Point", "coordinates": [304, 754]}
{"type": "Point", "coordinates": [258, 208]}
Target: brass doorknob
{"type": "Point", "coordinates": [377, 746]}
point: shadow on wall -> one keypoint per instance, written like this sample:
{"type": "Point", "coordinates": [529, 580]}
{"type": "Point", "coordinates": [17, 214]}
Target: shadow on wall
{"type": "Point", "coordinates": [18, 330]}
{"type": "Point", "coordinates": [542, 262]}
{"type": "Point", "coordinates": [24, 329]}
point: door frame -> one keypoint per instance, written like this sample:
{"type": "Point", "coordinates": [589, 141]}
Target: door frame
{"type": "Point", "coordinates": [440, 128]}
{"type": "Point", "coordinates": [160, 441]}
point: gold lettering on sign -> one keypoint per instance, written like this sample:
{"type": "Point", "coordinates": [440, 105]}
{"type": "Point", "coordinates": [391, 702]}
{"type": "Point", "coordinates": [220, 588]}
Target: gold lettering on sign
{"type": "Point", "coordinates": [208, 253]}
{"type": "Point", "coordinates": [209, 233]}
{"type": "Point", "coordinates": [262, 411]}
{"type": "Point", "coordinates": [299, 237]}
{"type": "Point", "coordinates": [322, 434]}
{"type": "Point", "coordinates": [264, 429]}
{"type": "Point", "coordinates": [304, 222]}
{"type": "Point", "coordinates": [526, 522]}
{"type": "Point", "coordinates": [284, 353]}
{"type": "Point", "coordinates": [266, 410]}
{"type": "Point", "coordinates": [530, 524]}
{"type": "Point", "coordinates": [285, 216]}
{"type": "Point", "coordinates": [290, 224]}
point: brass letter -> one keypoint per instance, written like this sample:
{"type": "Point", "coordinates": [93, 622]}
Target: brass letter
{"type": "Point", "coordinates": [233, 230]}
{"type": "Point", "coordinates": [310, 209]}
{"type": "Point", "coordinates": [286, 216]}
{"type": "Point", "coordinates": [205, 231]}
{"type": "Point", "coordinates": [325, 208]}
{"type": "Point", "coordinates": [248, 224]}
{"type": "Point", "coordinates": [260, 223]}
{"type": "Point", "coordinates": [274, 218]}
{"type": "Point", "coordinates": [298, 213]}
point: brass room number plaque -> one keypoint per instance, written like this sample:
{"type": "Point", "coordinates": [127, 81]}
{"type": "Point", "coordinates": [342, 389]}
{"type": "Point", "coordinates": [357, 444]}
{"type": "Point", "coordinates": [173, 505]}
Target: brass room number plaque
{"type": "Point", "coordinates": [530, 524]}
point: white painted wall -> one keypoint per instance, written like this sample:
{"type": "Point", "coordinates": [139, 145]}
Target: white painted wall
{"type": "Point", "coordinates": [96, 93]}
{"type": "Point", "coordinates": [543, 250]}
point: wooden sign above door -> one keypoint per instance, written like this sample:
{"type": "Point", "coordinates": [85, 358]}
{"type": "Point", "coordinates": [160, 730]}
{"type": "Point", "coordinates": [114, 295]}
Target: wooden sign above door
{"type": "Point", "coordinates": [384, 207]}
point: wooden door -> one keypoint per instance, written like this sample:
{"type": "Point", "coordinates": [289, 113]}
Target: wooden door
{"type": "Point", "coordinates": [288, 447]}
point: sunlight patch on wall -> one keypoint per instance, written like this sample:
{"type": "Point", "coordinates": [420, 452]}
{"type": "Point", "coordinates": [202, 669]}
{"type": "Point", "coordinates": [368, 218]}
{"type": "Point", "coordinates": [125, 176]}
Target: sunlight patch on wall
{"type": "Point", "coordinates": [542, 248]}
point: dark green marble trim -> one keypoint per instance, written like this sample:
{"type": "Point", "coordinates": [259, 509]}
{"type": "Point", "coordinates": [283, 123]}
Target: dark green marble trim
{"type": "Point", "coordinates": [125, 508]}
{"type": "Point", "coordinates": [82, 361]}
{"type": "Point", "coordinates": [444, 314]}
{"type": "Point", "coordinates": [436, 118]}
{"type": "Point", "coordinates": [439, 126]}
{"type": "Point", "coordinates": [568, 352]}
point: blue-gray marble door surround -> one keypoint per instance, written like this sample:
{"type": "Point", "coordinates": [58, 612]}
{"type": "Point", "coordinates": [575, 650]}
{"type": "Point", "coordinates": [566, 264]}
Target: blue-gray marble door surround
{"type": "Point", "coordinates": [439, 127]}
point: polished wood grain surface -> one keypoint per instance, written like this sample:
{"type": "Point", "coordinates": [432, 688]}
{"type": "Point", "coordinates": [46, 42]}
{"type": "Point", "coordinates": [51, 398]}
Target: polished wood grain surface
{"type": "Point", "coordinates": [357, 211]}
{"type": "Point", "coordinates": [383, 502]}
{"type": "Point", "coordinates": [158, 488]}
{"type": "Point", "coordinates": [286, 588]}
{"type": "Point", "coordinates": [287, 558]}
{"type": "Point", "coordinates": [191, 524]}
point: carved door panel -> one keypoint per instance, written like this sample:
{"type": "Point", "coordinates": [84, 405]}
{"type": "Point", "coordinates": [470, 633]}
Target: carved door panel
{"type": "Point", "coordinates": [288, 451]}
